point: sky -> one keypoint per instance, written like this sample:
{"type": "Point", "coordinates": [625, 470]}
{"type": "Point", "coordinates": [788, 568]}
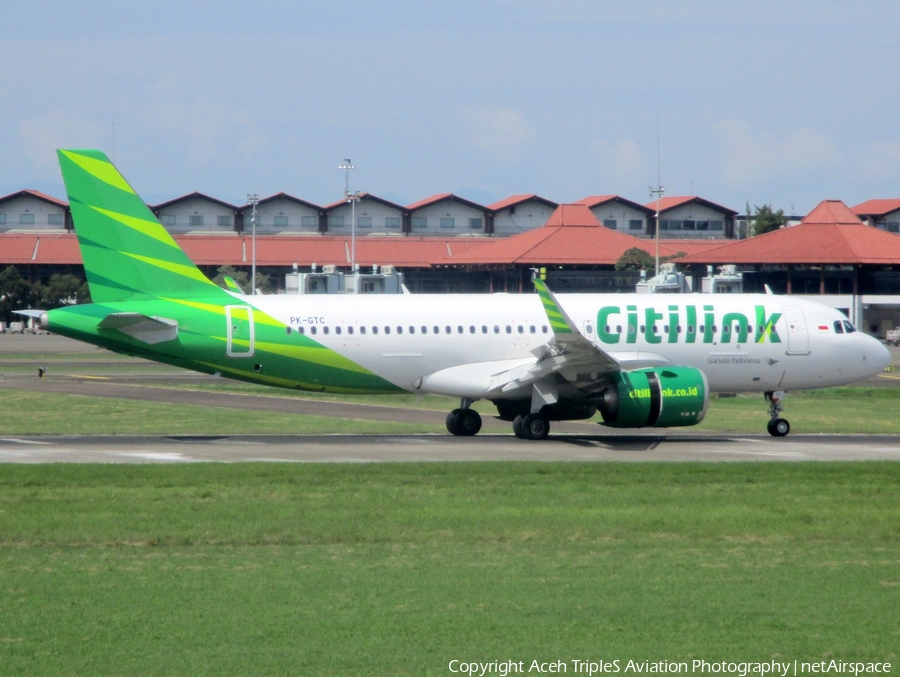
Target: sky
{"type": "Point", "coordinates": [780, 102]}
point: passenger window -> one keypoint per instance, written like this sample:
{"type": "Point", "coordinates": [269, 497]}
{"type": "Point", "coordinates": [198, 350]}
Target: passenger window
{"type": "Point", "coordinates": [678, 329]}
{"type": "Point", "coordinates": [543, 328]}
{"type": "Point", "coordinates": [666, 328]}
{"type": "Point", "coordinates": [447, 329]}
{"type": "Point", "coordinates": [484, 329]}
{"type": "Point", "coordinates": [618, 328]}
{"type": "Point", "coordinates": [337, 330]}
{"type": "Point", "coordinates": [459, 329]}
{"type": "Point", "coordinates": [399, 330]}
{"type": "Point", "coordinates": [690, 329]}
{"type": "Point", "coordinates": [374, 330]}
{"type": "Point", "coordinates": [300, 329]}
{"type": "Point", "coordinates": [387, 330]}
{"type": "Point", "coordinates": [521, 329]}
{"type": "Point", "coordinates": [412, 330]}
{"type": "Point", "coordinates": [532, 329]}
{"type": "Point", "coordinates": [424, 329]}
{"type": "Point", "coordinates": [437, 329]}
{"type": "Point", "coordinates": [643, 329]}
{"type": "Point", "coordinates": [725, 329]}
{"type": "Point", "coordinates": [714, 328]}
{"type": "Point", "coordinates": [838, 327]}
{"type": "Point", "coordinates": [508, 329]}
{"type": "Point", "coordinates": [349, 330]}
{"type": "Point", "coordinates": [471, 328]}
{"type": "Point", "coordinates": [849, 328]}
{"type": "Point", "coordinates": [630, 328]}
{"type": "Point", "coordinates": [496, 329]}
{"type": "Point", "coordinates": [313, 330]}
{"type": "Point", "coordinates": [702, 328]}
{"type": "Point", "coordinates": [326, 330]}
{"type": "Point", "coordinates": [362, 330]}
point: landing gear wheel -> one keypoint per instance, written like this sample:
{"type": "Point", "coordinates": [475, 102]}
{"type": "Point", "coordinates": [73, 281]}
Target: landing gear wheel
{"type": "Point", "coordinates": [535, 427]}
{"type": "Point", "coordinates": [453, 422]}
{"type": "Point", "coordinates": [517, 427]}
{"type": "Point", "coordinates": [468, 423]}
{"type": "Point", "coordinates": [778, 427]}
{"type": "Point", "coordinates": [463, 422]}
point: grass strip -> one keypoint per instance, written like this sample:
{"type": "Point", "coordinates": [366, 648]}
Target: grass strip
{"type": "Point", "coordinates": [400, 568]}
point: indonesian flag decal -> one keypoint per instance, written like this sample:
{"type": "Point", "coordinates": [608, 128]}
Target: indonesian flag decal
{"type": "Point", "coordinates": [823, 327]}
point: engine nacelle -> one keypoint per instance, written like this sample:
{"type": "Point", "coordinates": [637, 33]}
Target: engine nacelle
{"type": "Point", "coordinates": [661, 397]}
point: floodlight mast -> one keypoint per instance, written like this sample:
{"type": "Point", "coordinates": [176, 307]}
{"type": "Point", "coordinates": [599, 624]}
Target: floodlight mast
{"type": "Point", "coordinates": [352, 199]}
{"type": "Point", "coordinates": [253, 199]}
{"type": "Point", "coordinates": [659, 191]}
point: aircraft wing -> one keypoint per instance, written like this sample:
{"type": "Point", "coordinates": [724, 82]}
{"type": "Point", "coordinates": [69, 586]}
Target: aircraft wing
{"type": "Point", "coordinates": [144, 328]}
{"type": "Point", "coordinates": [568, 356]}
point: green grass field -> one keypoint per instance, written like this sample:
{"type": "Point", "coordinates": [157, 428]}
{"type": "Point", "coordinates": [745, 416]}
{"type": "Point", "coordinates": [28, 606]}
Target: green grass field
{"type": "Point", "coordinates": [399, 568]}
{"type": "Point", "coordinates": [838, 410]}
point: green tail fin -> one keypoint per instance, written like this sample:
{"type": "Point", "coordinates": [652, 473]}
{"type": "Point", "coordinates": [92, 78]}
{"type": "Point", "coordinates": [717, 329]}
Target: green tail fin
{"type": "Point", "coordinates": [126, 251]}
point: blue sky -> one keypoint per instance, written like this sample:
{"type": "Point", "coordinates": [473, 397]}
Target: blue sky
{"type": "Point", "coordinates": [782, 103]}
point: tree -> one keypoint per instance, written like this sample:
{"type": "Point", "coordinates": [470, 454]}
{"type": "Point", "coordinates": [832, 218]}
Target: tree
{"type": "Point", "coordinates": [765, 220]}
{"type": "Point", "coordinates": [242, 278]}
{"type": "Point", "coordinates": [15, 293]}
{"type": "Point", "coordinates": [636, 259]}
{"type": "Point", "coordinates": [61, 290]}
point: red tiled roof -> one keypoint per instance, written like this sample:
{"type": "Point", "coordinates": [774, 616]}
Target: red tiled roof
{"type": "Point", "coordinates": [363, 196]}
{"type": "Point", "coordinates": [271, 250]}
{"type": "Point", "coordinates": [831, 212]}
{"type": "Point", "coordinates": [434, 199]}
{"type": "Point", "coordinates": [39, 249]}
{"type": "Point", "coordinates": [197, 194]}
{"type": "Point", "coordinates": [594, 200]}
{"type": "Point", "coordinates": [667, 203]}
{"type": "Point", "coordinates": [572, 236]}
{"type": "Point", "coordinates": [829, 234]}
{"type": "Point", "coordinates": [514, 200]}
{"type": "Point", "coordinates": [876, 207]}
{"type": "Point", "coordinates": [35, 193]}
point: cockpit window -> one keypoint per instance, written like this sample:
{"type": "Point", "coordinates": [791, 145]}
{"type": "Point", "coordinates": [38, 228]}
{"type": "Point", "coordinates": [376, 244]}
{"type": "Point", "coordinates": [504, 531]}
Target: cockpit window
{"type": "Point", "coordinates": [848, 327]}
{"type": "Point", "coordinates": [838, 327]}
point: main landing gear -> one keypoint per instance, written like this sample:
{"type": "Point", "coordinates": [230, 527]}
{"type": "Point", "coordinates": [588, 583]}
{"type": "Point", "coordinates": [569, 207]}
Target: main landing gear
{"type": "Point", "coordinates": [531, 427]}
{"type": "Point", "coordinates": [777, 426]}
{"type": "Point", "coordinates": [464, 422]}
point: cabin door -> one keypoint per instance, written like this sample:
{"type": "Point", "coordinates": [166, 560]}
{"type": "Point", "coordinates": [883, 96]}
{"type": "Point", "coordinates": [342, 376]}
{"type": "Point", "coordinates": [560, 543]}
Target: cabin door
{"type": "Point", "coordinates": [798, 336]}
{"type": "Point", "coordinates": [239, 330]}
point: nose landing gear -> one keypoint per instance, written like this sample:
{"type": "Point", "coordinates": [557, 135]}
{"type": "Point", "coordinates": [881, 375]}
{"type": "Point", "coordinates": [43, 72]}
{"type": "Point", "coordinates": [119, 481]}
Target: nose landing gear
{"type": "Point", "coordinates": [777, 426]}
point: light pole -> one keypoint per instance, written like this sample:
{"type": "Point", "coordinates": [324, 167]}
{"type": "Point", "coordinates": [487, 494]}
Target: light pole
{"type": "Point", "coordinates": [353, 198]}
{"type": "Point", "coordinates": [253, 199]}
{"type": "Point", "coordinates": [659, 191]}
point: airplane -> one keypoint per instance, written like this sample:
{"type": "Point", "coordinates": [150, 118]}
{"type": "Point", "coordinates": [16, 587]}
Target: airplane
{"type": "Point", "coordinates": [640, 360]}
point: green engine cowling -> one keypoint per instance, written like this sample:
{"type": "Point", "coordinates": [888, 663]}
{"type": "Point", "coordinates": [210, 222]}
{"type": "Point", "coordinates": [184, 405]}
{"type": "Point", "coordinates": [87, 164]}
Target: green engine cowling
{"type": "Point", "coordinates": [658, 397]}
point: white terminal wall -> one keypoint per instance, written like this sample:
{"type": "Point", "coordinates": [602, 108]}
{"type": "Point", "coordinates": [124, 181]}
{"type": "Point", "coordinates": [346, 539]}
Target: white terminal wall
{"type": "Point", "coordinates": [366, 209]}
{"type": "Point", "coordinates": [460, 213]}
{"type": "Point", "coordinates": [622, 214]}
{"type": "Point", "coordinates": [693, 211]}
{"type": "Point", "coordinates": [282, 207]}
{"type": "Point", "coordinates": [521, 217]}
{"type": "Point", "coordinates": [197, 206]}
{"type": "Point", "coordinates": [39, 209]}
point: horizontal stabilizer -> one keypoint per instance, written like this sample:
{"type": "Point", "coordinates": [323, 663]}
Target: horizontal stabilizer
{"type": "Point", "coordinates": [143, 328]}
{"type": "Point", "coordinates": [29, 312]}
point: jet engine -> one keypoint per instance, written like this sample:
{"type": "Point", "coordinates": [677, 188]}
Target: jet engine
{"type": "Point", "coordinates": [658, 397]}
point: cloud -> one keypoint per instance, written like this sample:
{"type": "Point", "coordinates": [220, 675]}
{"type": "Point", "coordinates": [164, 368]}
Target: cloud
{"type": "Point", "coordinates": [39, 137]}
{"type": "Point", "coordinates": [622, 169]}
{"type": "Point", "coordinates": [750, 158]}
{"type": "Point", "coordinates": [502, 132]}
{"type": "Point", "coordinates": [208, 133]}
{"type": "Point", "coordinates": [882, 160]}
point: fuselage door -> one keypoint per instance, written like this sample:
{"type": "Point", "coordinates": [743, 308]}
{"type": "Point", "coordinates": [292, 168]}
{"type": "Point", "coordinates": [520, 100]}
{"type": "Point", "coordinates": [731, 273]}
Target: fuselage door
{"type": "Point", "coordinates": [798, 336]}
{"type": "Point", "coordinates": [588, 329]}
{"type": "Point", "coordinates": [239, 327]}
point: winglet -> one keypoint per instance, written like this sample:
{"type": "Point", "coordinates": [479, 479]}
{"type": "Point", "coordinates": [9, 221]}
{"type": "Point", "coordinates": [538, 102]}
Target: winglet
{"type": "Point", "coordinates": [231, 285]}
{"type": "Point", "coordinates": [560, 323]}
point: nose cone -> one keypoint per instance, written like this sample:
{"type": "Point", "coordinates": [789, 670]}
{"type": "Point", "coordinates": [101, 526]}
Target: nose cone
{"type": "Point", "coordinates": [879, 356]}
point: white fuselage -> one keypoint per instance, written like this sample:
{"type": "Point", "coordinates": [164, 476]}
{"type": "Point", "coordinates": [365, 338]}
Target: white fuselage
{"type": "Point", "coordinates": [746, 342]}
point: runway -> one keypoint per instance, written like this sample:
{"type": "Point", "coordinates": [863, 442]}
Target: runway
{"type": "Point", "coordinates": [430, 448]}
